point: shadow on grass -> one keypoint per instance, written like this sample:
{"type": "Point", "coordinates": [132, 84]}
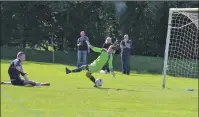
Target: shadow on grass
{"type": "Point", "coordinates": [28, 85]}
{"type": "Point", "coordinates": [17, 85]}
{"type": "Point", "coordinates": [104, 88]}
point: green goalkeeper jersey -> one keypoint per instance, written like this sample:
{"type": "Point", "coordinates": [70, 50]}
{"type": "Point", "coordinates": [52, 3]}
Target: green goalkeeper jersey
{"type": "Point", "coordinates": [102, 59]}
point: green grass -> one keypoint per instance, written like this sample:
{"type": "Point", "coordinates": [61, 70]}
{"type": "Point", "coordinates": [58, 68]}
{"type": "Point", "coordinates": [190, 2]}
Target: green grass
{"type": "Point", "coordinates": [140, 64]}
{"type": "Point", "coordinates": [72, 95]}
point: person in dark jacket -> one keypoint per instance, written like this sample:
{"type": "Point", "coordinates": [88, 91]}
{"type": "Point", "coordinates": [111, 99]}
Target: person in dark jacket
{"type": "Point", "coordinates": [83, 49]}
{"type": "Point", "coordinates": [106, 45]}
{"type": "Point", "coordinates": [126, 46]}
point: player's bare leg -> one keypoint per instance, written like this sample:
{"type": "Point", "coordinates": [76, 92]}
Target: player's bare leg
{"type": "Point", "coordinates": [8, 83]}
{"type": "Point", "coordinates": [32, 83]}
{"type": "Point", "coordinates": [36, 83]}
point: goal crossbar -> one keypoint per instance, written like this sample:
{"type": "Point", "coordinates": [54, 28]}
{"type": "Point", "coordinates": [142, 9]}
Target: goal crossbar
{"type": "Point", "coordinates": [184, 9]}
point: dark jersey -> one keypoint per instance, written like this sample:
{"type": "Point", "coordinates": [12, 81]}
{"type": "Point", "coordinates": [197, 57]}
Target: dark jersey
{"type": "Point", "coordinates": [106, 45]}
{"type": "Point", "coordinates": [125, 50]}
{"type": "Point", "coordinates": [82, 42]}
{"type": "Point", "coordinates": [12, 71]}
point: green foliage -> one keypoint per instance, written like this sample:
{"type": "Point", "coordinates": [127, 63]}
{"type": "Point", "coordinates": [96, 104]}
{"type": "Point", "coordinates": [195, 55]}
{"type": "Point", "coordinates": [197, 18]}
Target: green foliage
{"type": "Point", "coordinates": [38, 23]}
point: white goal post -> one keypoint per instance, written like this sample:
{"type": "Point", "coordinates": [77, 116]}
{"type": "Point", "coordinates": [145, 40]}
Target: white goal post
{"type": "Point", "coordinates": [181, 57]}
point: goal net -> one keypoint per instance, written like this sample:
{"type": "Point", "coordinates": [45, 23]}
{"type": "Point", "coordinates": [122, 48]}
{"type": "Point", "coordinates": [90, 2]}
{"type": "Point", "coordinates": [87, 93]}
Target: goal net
{"type": "Point", "coordinates": [182, 44]}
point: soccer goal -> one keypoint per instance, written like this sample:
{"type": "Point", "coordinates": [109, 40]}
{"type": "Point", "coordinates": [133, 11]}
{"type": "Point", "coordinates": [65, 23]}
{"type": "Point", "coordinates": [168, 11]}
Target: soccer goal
{"type": "Point", "coordinates": [181, 57]}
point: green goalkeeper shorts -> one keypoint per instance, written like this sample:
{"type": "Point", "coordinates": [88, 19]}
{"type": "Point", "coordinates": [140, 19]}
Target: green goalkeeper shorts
{"type": "Point", "coordinates": [93, 68]}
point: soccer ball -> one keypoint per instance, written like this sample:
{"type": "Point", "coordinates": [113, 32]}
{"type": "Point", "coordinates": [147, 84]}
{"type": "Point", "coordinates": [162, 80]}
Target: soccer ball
{"type": "Point", "coordinates": [99, 82]}
{"type": "Point", "coordinates": [103, 72]}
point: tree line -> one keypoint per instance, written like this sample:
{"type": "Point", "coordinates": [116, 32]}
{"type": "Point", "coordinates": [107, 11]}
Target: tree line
{"type": "Point", "coordinates": [29, 24]}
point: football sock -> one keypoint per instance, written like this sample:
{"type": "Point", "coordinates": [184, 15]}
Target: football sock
{"type": "Point", "coordinates": [77, 70]}
{"type": "Point", "coordinates": [92, 79]}
{"type": "Point", "coordinates": [38, 84]}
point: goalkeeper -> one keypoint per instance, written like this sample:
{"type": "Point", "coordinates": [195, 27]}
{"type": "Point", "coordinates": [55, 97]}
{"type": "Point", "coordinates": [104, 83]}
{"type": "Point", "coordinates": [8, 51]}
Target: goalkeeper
{"type": "Point", "coordinates": [104, 57]}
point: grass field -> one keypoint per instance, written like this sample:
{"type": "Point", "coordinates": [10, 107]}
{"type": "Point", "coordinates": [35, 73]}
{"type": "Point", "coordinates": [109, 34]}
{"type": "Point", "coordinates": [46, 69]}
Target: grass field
{"type": "Point", "coordinates": [73, 95]}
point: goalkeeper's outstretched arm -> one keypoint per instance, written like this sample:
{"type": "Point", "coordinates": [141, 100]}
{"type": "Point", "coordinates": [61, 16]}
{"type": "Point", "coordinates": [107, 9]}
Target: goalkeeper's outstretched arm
{"type": "Point", "coordinates": [95, 49]}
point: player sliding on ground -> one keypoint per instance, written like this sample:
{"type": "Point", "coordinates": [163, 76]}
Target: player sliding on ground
{"type": "Point", "coordinates": [104, 57]}
{"type": "Point", "coordinates": [14, 71]}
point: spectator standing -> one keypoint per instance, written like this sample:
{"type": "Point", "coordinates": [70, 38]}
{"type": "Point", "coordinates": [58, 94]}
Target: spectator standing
{"type": "Point", "coordinates": [106, 45]}
{"type": "Point", "coordinates": [126, 46]}
{"type": "Point", "coordinates": [82, 49]}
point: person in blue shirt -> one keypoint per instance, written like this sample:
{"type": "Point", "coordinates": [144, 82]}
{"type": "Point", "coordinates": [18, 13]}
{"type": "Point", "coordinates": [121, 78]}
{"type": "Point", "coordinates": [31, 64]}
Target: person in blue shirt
{"type": "Point", "coordinates": [126, 46]}
{"type": "Point", "coordinates": [82, 49]}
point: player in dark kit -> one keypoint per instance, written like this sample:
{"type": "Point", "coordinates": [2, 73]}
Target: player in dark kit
{"type": "Point", "coordinates": [15, 69]}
